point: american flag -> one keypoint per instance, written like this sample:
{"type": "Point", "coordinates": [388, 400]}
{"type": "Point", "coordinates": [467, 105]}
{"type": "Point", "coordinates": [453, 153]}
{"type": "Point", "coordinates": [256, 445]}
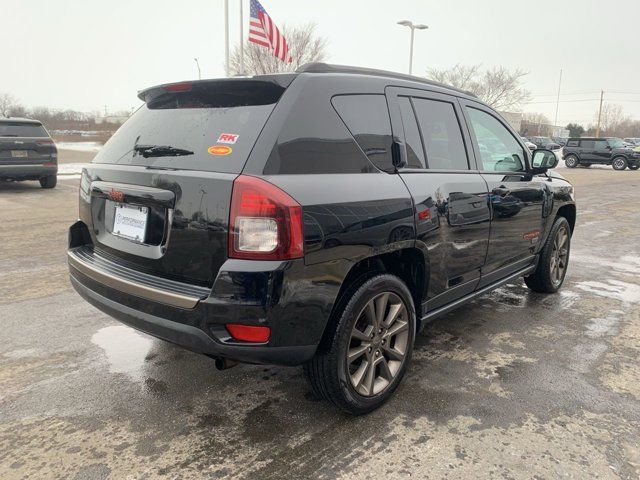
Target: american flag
{"type": "Point", "coordinates": [263, 31]}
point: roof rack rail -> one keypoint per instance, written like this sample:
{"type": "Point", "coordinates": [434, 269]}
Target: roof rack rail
{"type": "Point", "coordinates": [319, 67]}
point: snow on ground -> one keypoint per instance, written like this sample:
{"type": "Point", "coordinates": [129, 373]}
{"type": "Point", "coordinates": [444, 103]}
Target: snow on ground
{"type": "Point", "coordinates": [80, 146]}
{"type": "Point", "coordinates": [70, 168]}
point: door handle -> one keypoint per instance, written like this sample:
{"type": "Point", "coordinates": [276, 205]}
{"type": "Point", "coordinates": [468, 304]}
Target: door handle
{"type": "Point", "coordinates": [501, 191]}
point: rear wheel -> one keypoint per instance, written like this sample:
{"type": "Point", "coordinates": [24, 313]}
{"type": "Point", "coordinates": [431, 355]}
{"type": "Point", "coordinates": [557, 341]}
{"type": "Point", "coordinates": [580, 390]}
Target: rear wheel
{"type": "Point", "coordinates": [554, 259]}
{"type": "Point", "coordinates": [49, 181]}
{"type": "Point", "coordinates": [634, 167]}
{"type": "Point", "coordinates": [619, 163]}
{"type": "Point", "coordinates": [369, 349]}
{"type": "Point", "coordinates": [571, 161]}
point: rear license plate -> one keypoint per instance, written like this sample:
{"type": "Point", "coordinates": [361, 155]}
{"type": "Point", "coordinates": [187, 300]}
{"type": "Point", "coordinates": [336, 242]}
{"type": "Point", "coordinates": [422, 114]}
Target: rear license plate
{"type": "Point", "coordinates": [19, 153]}
{"type": "Point", "coordinates": [130, 221]}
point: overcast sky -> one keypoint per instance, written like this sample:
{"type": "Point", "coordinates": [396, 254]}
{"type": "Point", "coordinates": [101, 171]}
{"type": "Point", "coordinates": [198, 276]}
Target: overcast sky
{"type": "Point", "coordinates": [91, 53]}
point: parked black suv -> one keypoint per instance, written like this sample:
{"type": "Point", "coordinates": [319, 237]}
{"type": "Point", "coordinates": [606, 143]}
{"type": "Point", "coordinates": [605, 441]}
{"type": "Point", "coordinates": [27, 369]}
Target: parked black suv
{"type": "Point", "coordinates": [545, 142]}
{"type": "Point", "coordinates": [27, 152]}
{"type": "Point", "coordinates": [605, 151]}
{"type": "Point", "coordinates": [317, 218]}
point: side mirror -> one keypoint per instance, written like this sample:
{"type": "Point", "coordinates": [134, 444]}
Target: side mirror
{"type": "Point", "coordinates": [543, 159]}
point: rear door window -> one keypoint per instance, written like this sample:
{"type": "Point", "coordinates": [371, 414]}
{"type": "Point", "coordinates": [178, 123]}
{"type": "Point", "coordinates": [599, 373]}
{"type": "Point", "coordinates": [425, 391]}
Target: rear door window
{"type": "Point", "coordinates": [367, 118]}
{"type": "Point", "coordinates": [22, 129]}
{"type": "Point", "coordinates": [572, 143]}
{"type": "Point", "coordinates": [415, 152]}
{"type": "Point", "coordinates": [441, 135]}
{"type": "Point", "coordinates": [587, 144]}
{"type": "Point", "coordinates": [217, 122]}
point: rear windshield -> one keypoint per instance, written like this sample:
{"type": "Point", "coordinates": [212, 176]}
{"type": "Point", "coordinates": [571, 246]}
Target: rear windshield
{"type": "Point", "coordinates": [214, 128]}
{"type": "Point", "coordinates": [18, 129]}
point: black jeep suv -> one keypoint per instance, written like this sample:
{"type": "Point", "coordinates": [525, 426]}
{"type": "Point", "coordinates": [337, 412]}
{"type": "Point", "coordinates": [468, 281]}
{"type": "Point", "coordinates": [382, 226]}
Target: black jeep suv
{"type": "Point", "coordinates": [317, 218]}
{"type": "Point", "coordinates": [605, 151]}
{"type": "Point", "coordinates": [27, 152]}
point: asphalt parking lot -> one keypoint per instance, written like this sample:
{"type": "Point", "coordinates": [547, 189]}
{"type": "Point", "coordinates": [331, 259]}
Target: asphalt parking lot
{"type": "Point", "coordinates": [514, 385]}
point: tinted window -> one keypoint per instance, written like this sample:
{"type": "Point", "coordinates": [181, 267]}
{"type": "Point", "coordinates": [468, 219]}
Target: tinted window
{"type": "Point", "coordinates": [195, 121]}
{"type": "Point", "coordinates": [572, 143]}
{"type": "Point", "coordinates": [443, 144]}
{"type": "Point", "coordinates": [367, 118]}
{"type": "Point", "coordinates": [415, 153]}
{"type": "Point", "coordinates": [499, 150]}
{"type": "Point", "coordinates": [17, 129]}
{"type": "Point", "coordinates": [587, 143]}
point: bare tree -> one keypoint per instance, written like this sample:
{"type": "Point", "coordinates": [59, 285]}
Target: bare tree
{"type": "Point", "coordinates": [612, 118]}
{"type": "Point", "coordinates": [9, 105]}
{"type": "Point", "coordinates": [499, 87]}
{"type": "Point", "coordinates": [304, 47]}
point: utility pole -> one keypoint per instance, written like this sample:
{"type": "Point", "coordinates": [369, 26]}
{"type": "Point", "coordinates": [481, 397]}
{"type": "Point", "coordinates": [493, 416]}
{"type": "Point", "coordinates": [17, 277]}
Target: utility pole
{"type": "Point", "coordinates": [555, 122]}
{"type": "Point", "coordinates": [241, 72]}
{"type": "Point", "coordinates": [226, 37]}
{"type": "Point", "coordinates": [599, 114]}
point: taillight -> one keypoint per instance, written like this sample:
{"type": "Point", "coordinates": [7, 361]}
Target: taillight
{"type": "Point", "coordinates": [178, 87]}
{"type": "Point", "coordinates": [265, 223]}
{"type": "Point", "coordinates": [249, 333]}
{"type": "Point", "coordinates": [46, 141]}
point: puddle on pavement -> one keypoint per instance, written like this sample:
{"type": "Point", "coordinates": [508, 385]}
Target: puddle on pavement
{"type": "Point", "coordinates": [623, 291]}
{"type": "Point", "coordinates": [125, 349]}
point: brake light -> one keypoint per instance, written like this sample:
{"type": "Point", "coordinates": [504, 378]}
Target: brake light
{"type": "Point", "coordinates": [265, 223]}
{"type": "Point", "coordinates": [47, 141]}
{"type": "Point", "coordinates": [178, 87]}
{"type": "Point", "coordinates": [249, 333]}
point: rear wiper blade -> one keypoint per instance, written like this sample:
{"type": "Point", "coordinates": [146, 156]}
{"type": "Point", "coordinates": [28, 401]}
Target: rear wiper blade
{"type": "Point", "coordinates": [160, 151]}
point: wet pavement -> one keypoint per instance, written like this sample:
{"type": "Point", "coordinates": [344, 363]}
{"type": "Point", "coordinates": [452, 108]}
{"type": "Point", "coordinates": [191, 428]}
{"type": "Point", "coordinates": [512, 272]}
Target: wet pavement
{"type": "Point", "coordinates": [514, 385]}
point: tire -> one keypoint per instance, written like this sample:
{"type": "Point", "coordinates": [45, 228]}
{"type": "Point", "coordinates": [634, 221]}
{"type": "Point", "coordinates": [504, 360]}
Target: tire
{"type": "Point", "coordinates": [571, 161]}
{"type": "Point", "coordinates": [379, 358]}
{"type": "Point", "coordinates": [555, 253]}
{"type": "Point", "coordinates": [634, 167]}
{"type": "Point", "coordinates": [49, 181]}
{"type": "Point", "coordinates": [619, 163]}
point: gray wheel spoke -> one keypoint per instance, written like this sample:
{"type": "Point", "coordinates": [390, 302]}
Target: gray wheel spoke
{"type": "Point", "coordinates": [370, 313]}
{"type": "Point", "coordinates": [357, 352]}
{"type": "Point", "coordinates": [394, 312]}
{"type": "Point", "coordinates": [398, 327]}
{"type": "Point", "coordinates": [381, 308]}
{"type": "Point", "coordinates": [362, 336]}
{"type": "Point", "coordinates": [385, 371]}
{"type": "Point", "coordinates": [358, 375]}
{"type": "Point", "coordinates": [370, 378]}
{"type": "Point", "coordinates": [392, 353]}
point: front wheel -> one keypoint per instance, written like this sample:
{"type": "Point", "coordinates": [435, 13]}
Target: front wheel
{"type": "Point", "coordinates": [554, 259]}
{"type": "Point", "coordinates": [367, 352]}
{"type": "Point", "coordinates": [571, 161]}
{"type": "Point", "coordinates": [619, 163]}
{"type": "Point", "coordinates": [634, 167]}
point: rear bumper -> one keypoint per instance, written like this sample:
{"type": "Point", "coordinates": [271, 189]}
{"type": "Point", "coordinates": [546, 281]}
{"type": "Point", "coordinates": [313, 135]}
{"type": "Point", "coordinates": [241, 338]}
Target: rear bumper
{"type": "Point", "coordinates": [20, 172]}
{"type": "Point", "coordinates": [191, 337]}
{"type": "Point", "coordinates": [292, 299]}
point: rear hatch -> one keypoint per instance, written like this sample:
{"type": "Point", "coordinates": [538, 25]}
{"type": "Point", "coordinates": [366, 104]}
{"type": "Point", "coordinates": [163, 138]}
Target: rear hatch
{"type": "Point", "coordinates": [25, 143]}
{"type": "Point", "coordinates": [156, 198]}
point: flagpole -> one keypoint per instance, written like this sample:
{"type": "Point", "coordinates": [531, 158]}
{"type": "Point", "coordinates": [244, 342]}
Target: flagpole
{"type": "Point", "coordinates": [226, 37]}
{"type": "Point", "coordinates": [241, 72]}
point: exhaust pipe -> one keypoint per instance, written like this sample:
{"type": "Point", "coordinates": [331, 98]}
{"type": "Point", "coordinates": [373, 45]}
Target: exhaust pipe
{"type": "Point", "coordinates": [224, 363]}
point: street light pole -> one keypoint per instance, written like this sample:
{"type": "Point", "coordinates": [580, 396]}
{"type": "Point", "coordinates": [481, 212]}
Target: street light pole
{"type": "Point", "coordinates": [198, 65]}
{"type": "Point", "coordinates": [413, 27]}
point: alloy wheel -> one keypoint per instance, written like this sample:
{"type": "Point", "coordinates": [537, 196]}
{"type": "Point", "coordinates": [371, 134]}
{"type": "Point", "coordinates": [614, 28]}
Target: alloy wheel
{"type": "Point", "coordinates": [378, 344]}
{"type": "Point", "coordinates": [559, 256]}
{"type": "Point", "coordinates": [618, 164]}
